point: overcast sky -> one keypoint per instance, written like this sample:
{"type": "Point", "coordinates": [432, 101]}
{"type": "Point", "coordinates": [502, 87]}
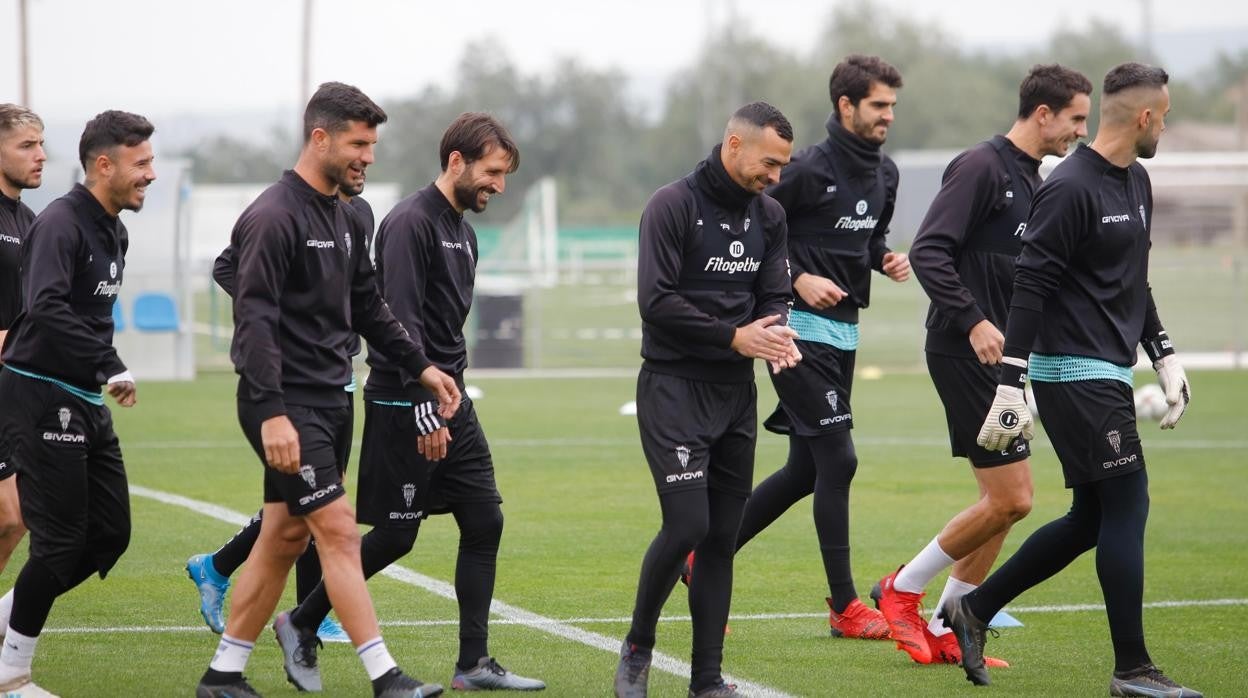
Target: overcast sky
{"type": "Point", "coordinates": [165, 57]}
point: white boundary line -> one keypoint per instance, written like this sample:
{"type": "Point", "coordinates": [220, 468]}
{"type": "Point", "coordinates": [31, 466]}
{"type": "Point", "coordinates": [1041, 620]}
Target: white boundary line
{"type": "Point", "coordinates": [508, 612]}
{"type": "Point", "coordinates": [1070, 608]}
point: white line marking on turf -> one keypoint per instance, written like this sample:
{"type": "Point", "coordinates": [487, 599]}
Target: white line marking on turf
{"type": "Point", "coordinates": [508, 612]}
{"type": "Point", "coordinates": [530, 622]}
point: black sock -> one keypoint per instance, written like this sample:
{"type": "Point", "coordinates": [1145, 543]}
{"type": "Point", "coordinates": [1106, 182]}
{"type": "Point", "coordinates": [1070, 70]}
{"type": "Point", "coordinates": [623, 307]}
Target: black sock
{"type": "Point", "coordinates": [686, 519]}
{"type": "Point", "coordinates": [781, 490]}
{"type": "Point", "coordinates": [710, 589]}
{"type": "Point", "coordinates": [835, 464]}
{"type": "Point", "coordinates": [480, 530]}
{"type": "Point", "coordinates": [212, 677]}
{"type": "Point", "coordinates": [234, 553]}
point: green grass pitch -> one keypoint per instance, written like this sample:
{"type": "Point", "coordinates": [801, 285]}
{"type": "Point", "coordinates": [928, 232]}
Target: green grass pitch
{"type": "Point", "coordinates": [581, 509]}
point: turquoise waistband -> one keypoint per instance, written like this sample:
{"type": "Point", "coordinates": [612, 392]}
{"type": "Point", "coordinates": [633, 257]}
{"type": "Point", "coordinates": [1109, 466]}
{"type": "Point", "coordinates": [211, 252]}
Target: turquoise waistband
{"type": "Point", "coordinates": [1059, 368]}
{"type": "Point", "coordinates": [93, 398]}
{"type": "Point", "coordinates": [392, 403]}
{"type": "Point", "coordinates": [815, 328]}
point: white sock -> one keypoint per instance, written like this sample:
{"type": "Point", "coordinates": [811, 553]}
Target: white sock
{"type": "Point", "coordinates": [954, 589]}
{"type": "Point", "coordinates": [931, 561]}
{"type": "Point", "coordinates": [376, 658]}
{"type": "Point", "coordinates": [232, 654]}
{"type": "Point", "coordinates": [6, 610]}
{"type": "Point", "coordinates": [17, 654]}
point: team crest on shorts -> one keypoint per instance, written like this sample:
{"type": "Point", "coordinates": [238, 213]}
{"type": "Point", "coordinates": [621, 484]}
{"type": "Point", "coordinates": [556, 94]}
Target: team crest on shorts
{"type": "Point", "coordinates": [63, 414]}
{"type": "Point", "coordinates": [409, 493]}
{"type": "Point", "coordinates": [682, 455]}
{"type": "Point", "coordinates": [1115, 440]}
{"type": "Point", "coordinates": [831, 397]}
{"type": "Point", "coordinates": [308, 473]}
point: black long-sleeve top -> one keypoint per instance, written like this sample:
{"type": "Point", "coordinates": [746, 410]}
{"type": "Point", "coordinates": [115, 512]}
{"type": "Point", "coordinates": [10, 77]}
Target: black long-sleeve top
{"type": "Point", "coordinates": [225, 267]}
{"type": "Point", "coordinates": [15, 220]}
{"type": "Point", "coordinates": [839, 197]}
{"type": "Point", "coordinates": [426, 268]}
{"type": "Point", "coordinates": [301, 292]}
{"type": "Point", "coordinates": [1081, 286]}
{"type": "Point", "coordinates": [73, 260]}
{"type": "Point", "coordinates": [963, 254]}
{"type": "Point", "coordinates": [688, 324]}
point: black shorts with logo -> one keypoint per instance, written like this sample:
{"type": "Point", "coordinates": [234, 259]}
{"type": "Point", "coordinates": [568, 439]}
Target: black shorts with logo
{"type": "Point", "coordinates": [398, 487]}
{"type": "Point", "coordinates": [1092, 426]}
{"type": "Point", "coordinates": [8, 466]}
{"type": "Point", "coordinates": [967, 388]}
{"type": "Point", "coordinates": [74, 497]}
{"type": "Point", "coordinates": [324, 446]}
{"type": "Point", "coordinates": [814, 395]}
{"type": "Point", "coordinates": [697, 434]}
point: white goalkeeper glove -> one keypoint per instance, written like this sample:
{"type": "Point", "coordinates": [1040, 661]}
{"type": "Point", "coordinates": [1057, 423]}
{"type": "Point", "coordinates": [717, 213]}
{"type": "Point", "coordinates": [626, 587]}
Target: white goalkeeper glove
{"type": "Point", "coordinates": [1008, 417]}
{"type": "Point", "coordinates": [1173, 380]}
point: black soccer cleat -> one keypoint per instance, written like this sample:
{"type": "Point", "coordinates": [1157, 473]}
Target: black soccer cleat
{"type": "Point", "coordinates": [236, 689]}
{"type": "Point", "coordinates": [972, 636]}
{"type": "Point", "coordinates": [1147, 680]}
{"type": "Point", "coordinates": [633, 672]}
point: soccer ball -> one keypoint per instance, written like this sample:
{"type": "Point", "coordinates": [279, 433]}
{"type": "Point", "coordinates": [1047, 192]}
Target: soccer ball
{"type": "Point", "coordinates": [1150, 402]}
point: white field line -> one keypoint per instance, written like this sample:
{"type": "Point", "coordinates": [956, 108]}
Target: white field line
{"type": "Point", "coordinates": [1068, 608]}
{"type": "Point", "coordinates": [507, 612]}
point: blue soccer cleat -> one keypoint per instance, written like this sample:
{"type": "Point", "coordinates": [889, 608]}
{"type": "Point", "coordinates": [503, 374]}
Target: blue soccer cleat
{"type": "Point", "coordinates": [212, 587]}
{"type": "Point", "coordinates": [331, 631]}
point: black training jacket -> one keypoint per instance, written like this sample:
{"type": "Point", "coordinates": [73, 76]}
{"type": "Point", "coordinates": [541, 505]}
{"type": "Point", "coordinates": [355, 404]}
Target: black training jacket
{"type": "Point", "coordinates": [838, 196]}
{"type": "Point", "coordinates": [426, 267]}
{"type": "Point", "coordinates": [73, 259]}
{"type": "Point", "coordinates": [963, 254]}
{"type": "Point", "coordinates": [15, 220]}
{"type": "Point", "coordinates": [304, 287]}
{"type": "Point", "coordinates": [711, 258]}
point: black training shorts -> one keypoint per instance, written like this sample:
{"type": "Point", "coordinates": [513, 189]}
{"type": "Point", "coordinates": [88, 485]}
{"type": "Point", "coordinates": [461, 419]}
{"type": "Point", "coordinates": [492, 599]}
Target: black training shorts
{"type": "Point", "coordinates": [967, 388]}
{"type": "Point", "coordinates": [1092, 426]}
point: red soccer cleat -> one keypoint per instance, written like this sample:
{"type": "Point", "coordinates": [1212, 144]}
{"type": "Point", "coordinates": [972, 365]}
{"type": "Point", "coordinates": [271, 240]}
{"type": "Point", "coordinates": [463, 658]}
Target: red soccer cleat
{"type": "Point", "coordinates": [905, 624]}
{"type": "Point", "coordinates": [686, 570]}
{"type": "Point", "coordinates": [857, 621]}
{"type": "Point", "coordinates": [945, 651]}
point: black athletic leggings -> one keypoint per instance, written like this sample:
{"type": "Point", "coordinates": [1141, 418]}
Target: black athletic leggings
{"type": "Point", "coordinates": [480, 530]}
{"type": "Point", "coordinates": [1108, 515]}
{"type": "Point", "coordinates": [825, 466]}
{"type": "Point", "coordinates": [706, 522]}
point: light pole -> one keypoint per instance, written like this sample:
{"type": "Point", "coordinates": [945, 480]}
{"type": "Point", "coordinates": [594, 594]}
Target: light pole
{"type": "Point", "coordinates": [23, 62]}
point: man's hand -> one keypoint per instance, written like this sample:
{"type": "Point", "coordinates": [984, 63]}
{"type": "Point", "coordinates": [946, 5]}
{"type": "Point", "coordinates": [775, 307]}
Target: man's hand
{"type": "Point", "coordinates": [896, 266]}
{"type": "Point", "coordinates": [434, 446]}
{"type": "Point", "coordinates": [756, 341]}
{"type": "Point", "coordinates": [281, 444]}
{"type": "Point", "coordinates": [442, 386]}
{"type": "Point", "coordinates": [123, 389]}
{"type": "Point", "coordinates": [988, 342]}
{"type": "Point", "coordinates": [1008, 417]}
{"type": "Point", "coordinates": [1173, 380]}
{"type": "Point", "coordinates": [817, 291]}
{"type": "Point", "coordinates": [794, 356]}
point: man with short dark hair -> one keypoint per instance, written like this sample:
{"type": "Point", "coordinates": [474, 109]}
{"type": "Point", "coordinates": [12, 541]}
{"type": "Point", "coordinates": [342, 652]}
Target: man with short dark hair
{"type": "Point", "coordinates": [426, 256]}
{"type": "Point", "coordinates": [713, 289]}
{"type": "Point", "coordinates": [1081, 303]}
{"type": "Point", "coordinates": [211, 572]}
{"type": "Point", "coordinates": [838, 198]}
{"type": "Point", "coordinates": [963, 255]}
{"type": "Point", "coordinates": [21, 167]}
{"type": "Point", "coordinates": [58, 352]}
{"type": "Point", "coordinates": [303, 289]}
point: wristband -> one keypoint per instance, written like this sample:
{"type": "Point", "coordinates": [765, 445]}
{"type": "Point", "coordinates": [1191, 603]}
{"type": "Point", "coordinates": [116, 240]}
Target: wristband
{"type": "Point", "coordinates": [1158, 346]}
{"type": "Point", "coordinates": [1013, 372]}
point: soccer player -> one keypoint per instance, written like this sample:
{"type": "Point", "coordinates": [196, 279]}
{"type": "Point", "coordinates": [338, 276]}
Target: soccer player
{"type": "Point", "coordinates": [21, 167]}
{"type": "Point", "coordinates": [963, 255]}
{"type": "Point", "coordinates": [713, 288]}
{"type": "Point", "coordinates": [211, 572]}
{"type": "Point", "coordinates": [58, 352]}
{"type": "Point", "coordinates": [1081, 303]}
{"type": "Point", "coordinates": [838, 197]}
{"type": "Point", "coordinates": [302, 290]}
{"type": "Point", "coordinates": [410, 466]}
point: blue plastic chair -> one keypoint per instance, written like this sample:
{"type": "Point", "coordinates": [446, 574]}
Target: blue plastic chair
{"type": "Point", "coordinates": [119, 324]}
{"type": "Point", "coordinates": [155, 312]}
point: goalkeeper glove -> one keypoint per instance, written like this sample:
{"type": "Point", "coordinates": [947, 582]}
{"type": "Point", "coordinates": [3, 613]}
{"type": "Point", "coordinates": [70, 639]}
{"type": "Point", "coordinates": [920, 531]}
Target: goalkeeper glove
{"type": "Point", "coordinates": [1173, 380]}
{"type": "Point", "coordinates": [1008, 417]}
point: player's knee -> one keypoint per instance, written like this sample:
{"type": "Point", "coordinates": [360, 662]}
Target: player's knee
{"type": "Point", "coordinates": [484, 529]}
{"type": "Point", "coordinates": [391, 543]}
